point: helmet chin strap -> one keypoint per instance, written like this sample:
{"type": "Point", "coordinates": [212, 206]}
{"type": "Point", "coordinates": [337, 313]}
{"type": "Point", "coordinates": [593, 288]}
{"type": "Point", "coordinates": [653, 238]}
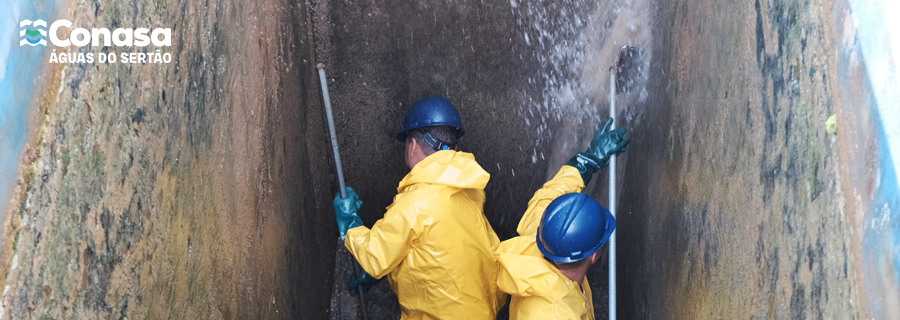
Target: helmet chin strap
{"type": "Point", "coordinates": [434, 143]}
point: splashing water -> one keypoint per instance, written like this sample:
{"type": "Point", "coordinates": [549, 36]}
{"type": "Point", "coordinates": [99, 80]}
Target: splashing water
{"type": "Point", "coordinates": [575, 43]}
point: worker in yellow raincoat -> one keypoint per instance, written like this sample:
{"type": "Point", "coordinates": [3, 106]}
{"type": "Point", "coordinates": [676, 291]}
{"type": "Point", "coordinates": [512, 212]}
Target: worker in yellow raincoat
{"type": "Point", "coordinates": [434, 244]}
{"type": "Point", "coordinates": [560, 235]}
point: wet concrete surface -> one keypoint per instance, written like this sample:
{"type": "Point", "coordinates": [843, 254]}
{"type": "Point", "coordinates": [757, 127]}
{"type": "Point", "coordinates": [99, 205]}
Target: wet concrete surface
{"type": "Point", "coordinates": [734, 207]}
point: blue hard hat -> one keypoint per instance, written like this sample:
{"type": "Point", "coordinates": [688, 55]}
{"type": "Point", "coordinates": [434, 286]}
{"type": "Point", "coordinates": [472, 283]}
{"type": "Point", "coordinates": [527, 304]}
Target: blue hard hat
{"type": "Point", "coordinates": [573, 227]}
{"type": "Point", "coordinates": [431, 112]}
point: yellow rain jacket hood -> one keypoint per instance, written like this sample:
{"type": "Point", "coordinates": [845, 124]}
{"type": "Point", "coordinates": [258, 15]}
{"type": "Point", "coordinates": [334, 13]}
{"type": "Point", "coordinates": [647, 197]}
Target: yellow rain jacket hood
{"type": "Point", "coordinates": [434, 243]}
{"type": "Point", "coordinates": [538, 289]}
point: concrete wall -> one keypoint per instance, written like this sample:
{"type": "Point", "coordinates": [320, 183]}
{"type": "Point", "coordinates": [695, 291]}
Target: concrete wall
{"type": "Point", "coordinates": [196, 189]}
{"type": "Point", "coordinates": [733, 189]}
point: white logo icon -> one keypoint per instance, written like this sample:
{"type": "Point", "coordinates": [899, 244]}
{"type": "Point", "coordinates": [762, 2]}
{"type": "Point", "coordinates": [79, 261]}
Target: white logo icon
{"type": "Point", "coordinates": [33, 36]}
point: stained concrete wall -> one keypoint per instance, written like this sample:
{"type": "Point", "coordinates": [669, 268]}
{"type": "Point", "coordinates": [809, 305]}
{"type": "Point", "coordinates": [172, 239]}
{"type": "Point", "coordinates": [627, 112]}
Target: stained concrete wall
{"type": "Point", "coordinates": [735, 208]}
{"type": "Point", "coordinates": [185, 190]}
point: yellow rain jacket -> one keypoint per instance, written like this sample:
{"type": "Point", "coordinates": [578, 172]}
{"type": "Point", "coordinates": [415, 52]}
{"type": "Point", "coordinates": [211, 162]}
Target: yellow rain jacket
{"type": "Point", "coordinates": [434, 243]}
{"type": "Point", "coordinates": [538, 289]}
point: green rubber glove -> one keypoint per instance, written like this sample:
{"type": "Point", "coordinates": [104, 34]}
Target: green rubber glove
{"type": "Point", "coordinates": [345, 211]}
{"type": "Point", "coordinates": [605, 144]}
{"type": "Point", "coordinates": [361, 279]}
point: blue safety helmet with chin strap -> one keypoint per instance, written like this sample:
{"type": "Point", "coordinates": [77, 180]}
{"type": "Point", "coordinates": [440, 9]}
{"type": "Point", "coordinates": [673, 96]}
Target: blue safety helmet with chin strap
{"type": "Point", "coordinates": [431, 112]}
{"type": "Point", "coordinates": [574, 227]}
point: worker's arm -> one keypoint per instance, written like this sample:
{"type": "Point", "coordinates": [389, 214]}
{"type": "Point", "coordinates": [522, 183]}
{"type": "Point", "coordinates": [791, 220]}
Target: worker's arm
{"type": "Point", "coordinates": [380, 249]}
{"type": "Point", "coordinates": [567, 180]}
{"type": "Point", "coordinates": [574, 175]}
{"type": "Point", "coordinates": [346, 214]}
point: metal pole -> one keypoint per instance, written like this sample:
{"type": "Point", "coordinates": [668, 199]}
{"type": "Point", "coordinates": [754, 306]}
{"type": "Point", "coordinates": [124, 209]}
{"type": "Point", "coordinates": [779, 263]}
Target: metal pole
{"type": "Point", "coordinates": [337, 163]}
{"type": "Point", "coordinates": [334, 142]}
{"type": "Point", "coordinates": [612, 199]}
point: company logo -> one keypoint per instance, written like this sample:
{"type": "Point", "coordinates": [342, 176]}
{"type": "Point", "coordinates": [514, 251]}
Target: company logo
{"type": "Point", "coordinates": [32, 35]}
{"type": "Point", "coordinates": [121, 37]}
{"type": "Point", "coordinates": [63, 34]}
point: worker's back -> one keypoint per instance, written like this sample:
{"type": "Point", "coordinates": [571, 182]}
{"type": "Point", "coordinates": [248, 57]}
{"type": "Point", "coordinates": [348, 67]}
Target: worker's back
{"type": "Point", "coordinates": [446, 269]}
{"type": "Point", "coordinates": [538, 289]}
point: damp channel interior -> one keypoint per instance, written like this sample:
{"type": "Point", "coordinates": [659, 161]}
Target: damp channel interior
{"type": "Point", "coordinates": [202, 188]}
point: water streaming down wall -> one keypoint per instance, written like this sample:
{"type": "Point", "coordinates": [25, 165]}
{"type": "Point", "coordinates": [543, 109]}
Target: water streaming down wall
{"type": "Point", "coordinates": [202, 188]}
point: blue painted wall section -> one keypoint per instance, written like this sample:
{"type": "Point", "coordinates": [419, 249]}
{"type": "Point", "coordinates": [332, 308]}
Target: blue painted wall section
{"type": "Point", "coordinates": [872, 53]}
{"type": "Point", "coordinates": [20, 66]}
{"type": "Point", "coordinates": [881, 238]}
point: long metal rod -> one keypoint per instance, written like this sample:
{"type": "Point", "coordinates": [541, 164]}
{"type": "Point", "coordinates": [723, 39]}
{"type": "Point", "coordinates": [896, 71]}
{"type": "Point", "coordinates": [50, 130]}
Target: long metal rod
{"type": "Point", "coordinates": [334, 142]}
{"type": "Point", "coordinates": [340, 169]}
{"type": "Point", "coordinates": [612, 199]}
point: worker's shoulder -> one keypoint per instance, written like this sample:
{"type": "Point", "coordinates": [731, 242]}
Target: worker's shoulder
{"type": "Point", "coordinates": [538, 307]}
{"type": "Point", "coordinates": [520, 245]}
{"type": "Point", "coordinates": [435, 199]}
{"type": "Point", "coordinates": [435, 192]}
{"type": "Point", "coordinates": [417, 198]}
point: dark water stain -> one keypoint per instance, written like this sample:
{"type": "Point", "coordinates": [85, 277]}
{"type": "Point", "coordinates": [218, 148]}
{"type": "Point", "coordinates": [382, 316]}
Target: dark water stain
{"type": "Point", "coordinates": [138, 116]}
